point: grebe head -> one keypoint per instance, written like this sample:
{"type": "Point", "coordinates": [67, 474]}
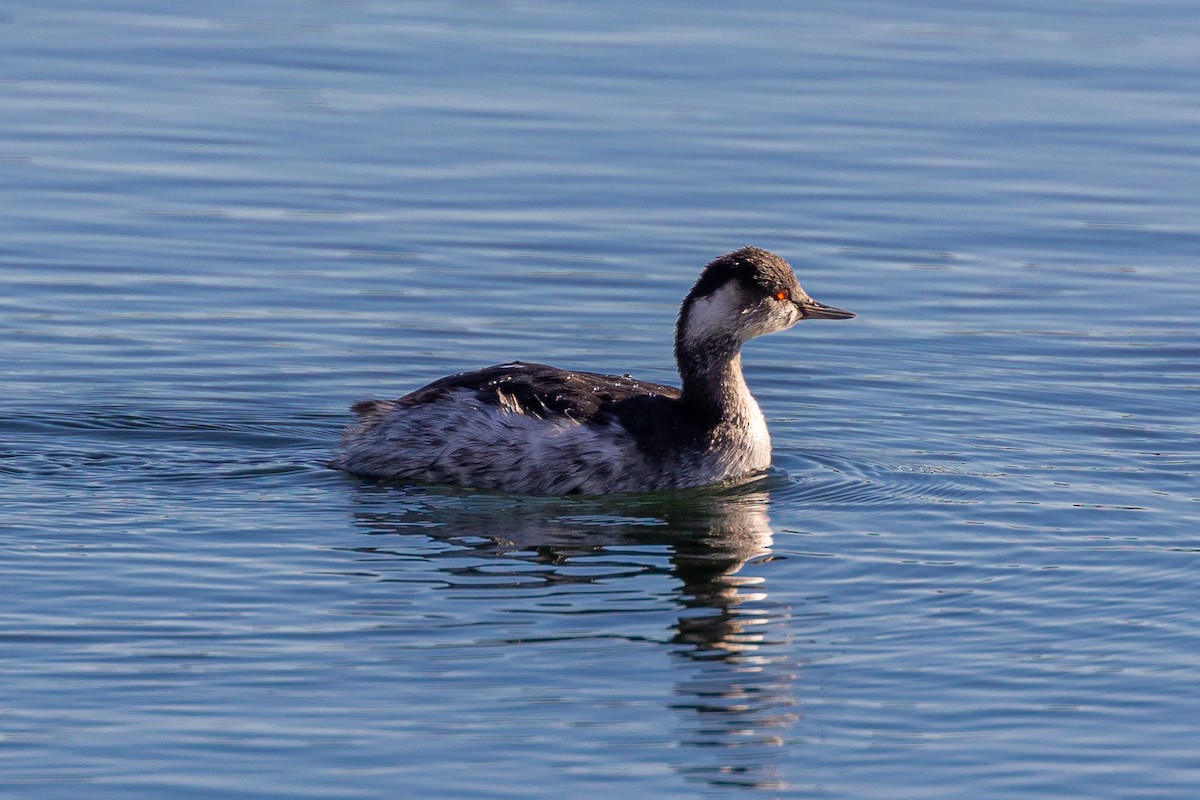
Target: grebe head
{"type": "Point", "coordinates": [741, 295]}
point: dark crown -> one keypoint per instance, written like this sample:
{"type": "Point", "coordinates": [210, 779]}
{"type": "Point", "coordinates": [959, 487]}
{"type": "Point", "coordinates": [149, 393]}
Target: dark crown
{"type": "Point", "coordinates": [752, 267]}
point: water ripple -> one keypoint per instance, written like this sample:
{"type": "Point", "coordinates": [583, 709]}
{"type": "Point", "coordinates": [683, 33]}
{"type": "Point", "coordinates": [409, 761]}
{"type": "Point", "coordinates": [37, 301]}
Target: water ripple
{"type": "Point", "coordinates": [844, 482]}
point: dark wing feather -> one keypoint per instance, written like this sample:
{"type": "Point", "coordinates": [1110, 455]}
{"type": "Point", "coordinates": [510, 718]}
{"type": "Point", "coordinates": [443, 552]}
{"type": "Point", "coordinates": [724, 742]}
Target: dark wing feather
{"type": "Point", "coordinates": [546, 392]}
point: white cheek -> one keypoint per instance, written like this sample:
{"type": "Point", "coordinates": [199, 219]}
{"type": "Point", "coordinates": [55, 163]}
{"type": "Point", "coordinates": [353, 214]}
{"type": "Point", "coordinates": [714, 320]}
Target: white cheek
{"type": "Point", "coordinates": [725, 313]}
{"type": "Point", "coordinates": [772, 318]}
{"type": "Point", "coordinates": [715, 314]}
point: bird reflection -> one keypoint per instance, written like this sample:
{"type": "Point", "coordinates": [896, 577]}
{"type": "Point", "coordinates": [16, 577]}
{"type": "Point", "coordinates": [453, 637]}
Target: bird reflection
{"type": "Point", "coordinates": [732, 652]}
{"type": "Point", "coordinates": [733, 697]}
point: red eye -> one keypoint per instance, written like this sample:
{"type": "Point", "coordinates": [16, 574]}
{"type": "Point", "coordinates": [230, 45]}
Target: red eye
{"type": "Point", "coordinates": [782, 294]}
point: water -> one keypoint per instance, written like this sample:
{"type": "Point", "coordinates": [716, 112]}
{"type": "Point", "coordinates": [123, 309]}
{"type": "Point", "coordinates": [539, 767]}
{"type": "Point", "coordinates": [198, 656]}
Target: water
{"type": "Point", "coordinates": [971, 574]}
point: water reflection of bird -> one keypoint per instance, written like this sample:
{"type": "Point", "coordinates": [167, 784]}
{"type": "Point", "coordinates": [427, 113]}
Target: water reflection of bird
{"type": "Point", "coordinates": [734, 695]}
{"type": "Point", "coordinates": [534, 429]}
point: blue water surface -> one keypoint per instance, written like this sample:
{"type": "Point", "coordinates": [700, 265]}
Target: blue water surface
{"type": "Point", "coordinates": [972, 572]}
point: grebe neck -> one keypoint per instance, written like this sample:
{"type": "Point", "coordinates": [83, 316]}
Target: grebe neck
{"type": "Point", "coordinates": [713, 384]}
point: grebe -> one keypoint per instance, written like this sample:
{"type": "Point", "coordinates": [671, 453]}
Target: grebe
{"type": "Point", "coordinates": [534, 429]}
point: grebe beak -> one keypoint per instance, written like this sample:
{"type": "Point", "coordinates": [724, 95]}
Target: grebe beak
{"type": "Point", "coordinates": [811, 309]}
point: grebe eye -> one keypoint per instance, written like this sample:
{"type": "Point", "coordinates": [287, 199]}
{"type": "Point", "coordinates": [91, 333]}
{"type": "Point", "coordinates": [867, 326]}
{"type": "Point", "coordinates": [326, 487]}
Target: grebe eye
{"type": "Point", "coordinates": [782, 294]}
